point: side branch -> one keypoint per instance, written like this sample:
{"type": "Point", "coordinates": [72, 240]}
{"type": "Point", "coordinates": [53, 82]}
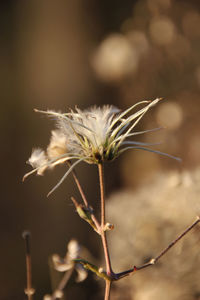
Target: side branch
{"type": "Point", "coordinates": [94, 219]}
{"type": "Point", "coordinates": [177, 239]}
{"type": "Point", "coordinates": [154, 260]}
{"type": "Point", "coordinates": [78, 185]}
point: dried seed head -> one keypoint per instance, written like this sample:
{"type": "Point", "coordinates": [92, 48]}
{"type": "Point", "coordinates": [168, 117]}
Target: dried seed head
{"type": "Point", "coordinates": [93, 136]}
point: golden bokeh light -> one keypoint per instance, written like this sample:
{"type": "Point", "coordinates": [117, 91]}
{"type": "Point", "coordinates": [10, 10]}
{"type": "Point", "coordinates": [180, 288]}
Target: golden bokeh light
{"type": "Point", "coordinates": [170, 115]}
{"type": "Point", "coordinates": [115, 58]}
{"type": "Point", "coordinates": [191, 24]}
{"type": "Point", "coordinates": [162, 31]}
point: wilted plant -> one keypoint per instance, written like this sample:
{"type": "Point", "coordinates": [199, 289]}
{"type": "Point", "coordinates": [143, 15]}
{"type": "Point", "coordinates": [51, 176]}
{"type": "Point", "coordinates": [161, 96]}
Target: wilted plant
{"type": "Point", "coordinates": [95, 136]}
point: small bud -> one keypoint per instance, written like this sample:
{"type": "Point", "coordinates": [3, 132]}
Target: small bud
{"type": "Point", "coordinates": [108, 227]}
{"type": "Point", "coordinates": [47, 297]}
{"type": "Point", "coordinates": [152, 261]}
{"type": "Point", "coordinates": [26, 234]}
{"type": "Point", "coordinates": [100, 270]}
{"type": "Point", "coordinates": [83, 212]}
{"type": "Point", "coordinates": [58, 294]}
{"type": "Point", "coordinates": [29, 292]}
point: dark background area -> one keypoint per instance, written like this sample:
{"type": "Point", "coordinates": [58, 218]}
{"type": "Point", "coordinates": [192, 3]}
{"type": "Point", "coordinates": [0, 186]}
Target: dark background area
{"type": "Point", "coordinates": [58, 54]}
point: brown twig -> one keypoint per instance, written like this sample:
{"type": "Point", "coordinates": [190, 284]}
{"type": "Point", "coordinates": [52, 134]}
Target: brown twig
{"type": "Point", "coordinates": [94, 219]}
{"type": "Point", "coordinates": [154, 260]}
{"type": "Point", "coordinates": [29, 291]}
{"type": "Point", "coordinates": [103, 232]}
{"type": "Point", "coordinates": [80, 188]}
{"type": "Point", "coordinates": [107, 289]}
{"type": "Point", "coordinates": [101, 229]}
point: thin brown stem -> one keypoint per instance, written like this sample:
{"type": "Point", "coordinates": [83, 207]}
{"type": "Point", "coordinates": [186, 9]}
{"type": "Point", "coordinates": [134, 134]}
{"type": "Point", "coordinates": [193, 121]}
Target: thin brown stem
{"type": "Point", "coordinates": [29, 291]}
{"type": "Point", "coordinates": [103, 232]}
{"type": "Point", "coordinates": [94, 219]}
{"type": "Point", "coordinates": [154, 260]}
{"type": "Point", "coordinates": [78, 185]}
{"type": "Point", "coordinates": [102, 191]}
{"type": "Point", "coordinates": [106, 253]}
{"type": "Point", "coordinates": [177, 239]}
{"type": "Point", "coordinates": [107, 290]}
{"type": "Point", "coordinates": [80, 188]}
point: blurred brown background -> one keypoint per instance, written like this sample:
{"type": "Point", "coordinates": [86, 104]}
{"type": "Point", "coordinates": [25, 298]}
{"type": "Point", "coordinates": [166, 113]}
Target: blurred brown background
{"type": "Point", "coordinates": [58, 54]}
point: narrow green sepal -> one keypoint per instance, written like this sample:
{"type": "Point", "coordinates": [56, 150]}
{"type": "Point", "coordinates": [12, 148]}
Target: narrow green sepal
{"type": "Point", "coordinates": [85, 213]}
{"type": "Point", "coordinates": [88, 266]}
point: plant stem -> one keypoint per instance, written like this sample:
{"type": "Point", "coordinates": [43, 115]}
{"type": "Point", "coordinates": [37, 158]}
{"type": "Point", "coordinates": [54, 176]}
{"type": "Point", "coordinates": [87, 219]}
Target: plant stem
{"type": "Point", "coordinates": [83, 196]}
{"type": "Point", "coordinates": [103, 232]}
{"type": "Point", "coordinates": [154, 260]}
{"type": "Point", "coordinates": [102, 191]}
{"type": "Point", "coordinates": [80, 188]}
{"type": "Point", "coordinates": [107, 290]}
{"type": "Point", "coordinates": [29, 291]}
{"type": "Point", "coordinates": [78, 185]}
{"type": "Point", "coordinates": [106, 254]}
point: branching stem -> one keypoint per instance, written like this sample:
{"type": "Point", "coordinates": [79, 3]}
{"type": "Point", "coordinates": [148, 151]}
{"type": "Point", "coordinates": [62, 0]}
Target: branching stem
{"type": "Point", "coordinates": [83, 196]}
{"type": "Point", "coordinates": [154, 260]}
{"type": "Point", "coordinates": [102, 231]}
